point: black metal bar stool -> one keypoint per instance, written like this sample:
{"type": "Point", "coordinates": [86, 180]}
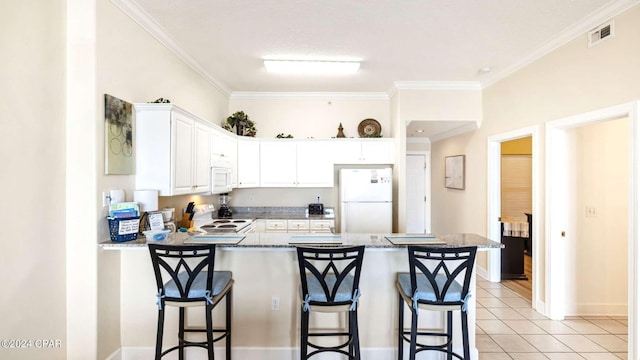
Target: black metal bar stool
{"type": "Point", "coordinates": [185, 277]}
{"type": "Point", "coordinates": [329, 279]}
{"type": "Point", "coordinates": [438, 279]}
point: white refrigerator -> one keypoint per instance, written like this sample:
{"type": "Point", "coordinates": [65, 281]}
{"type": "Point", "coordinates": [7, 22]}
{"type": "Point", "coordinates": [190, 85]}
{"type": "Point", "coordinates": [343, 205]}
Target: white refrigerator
{"type": "Point", "coordinates": [365, 200]}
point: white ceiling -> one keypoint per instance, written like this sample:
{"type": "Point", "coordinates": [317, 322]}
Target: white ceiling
{"type": "Point", "coordinates": [396, 40]}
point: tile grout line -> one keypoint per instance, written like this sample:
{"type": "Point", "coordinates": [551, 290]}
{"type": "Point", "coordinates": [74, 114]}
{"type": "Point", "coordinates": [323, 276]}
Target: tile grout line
{"type": "Point", "coordinates": [493, 293]}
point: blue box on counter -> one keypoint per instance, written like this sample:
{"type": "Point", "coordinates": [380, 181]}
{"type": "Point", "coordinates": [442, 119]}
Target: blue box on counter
{"type": "Point", "coordinates": [123, 229]}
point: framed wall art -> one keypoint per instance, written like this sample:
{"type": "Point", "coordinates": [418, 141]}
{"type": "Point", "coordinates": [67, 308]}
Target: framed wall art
{"type": "Point", "coordinates": [118, 130]}
{"type": "Point", "coordinates": [454, 172]}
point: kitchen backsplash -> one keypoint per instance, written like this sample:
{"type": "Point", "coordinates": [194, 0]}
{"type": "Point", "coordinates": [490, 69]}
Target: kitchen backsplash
{"type": "Point", "coordinates": [278, 197]}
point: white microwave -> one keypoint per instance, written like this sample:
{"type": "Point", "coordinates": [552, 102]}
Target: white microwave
{"type": "Point", "coordinates": [220, 178]}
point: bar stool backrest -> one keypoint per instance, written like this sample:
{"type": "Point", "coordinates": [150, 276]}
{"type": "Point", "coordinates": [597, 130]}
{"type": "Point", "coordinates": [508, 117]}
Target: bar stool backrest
{"type": "Point", "coordinates": [447, 271]}
{"type": "Point", "coordinates": [182, 264]}
{"type": "Point", "coordinates": [330, 276]}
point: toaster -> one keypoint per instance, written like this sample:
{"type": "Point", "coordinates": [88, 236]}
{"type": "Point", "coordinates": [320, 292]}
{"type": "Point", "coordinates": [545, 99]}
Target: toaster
{"type": "Point", "coordinates": [316, 209]}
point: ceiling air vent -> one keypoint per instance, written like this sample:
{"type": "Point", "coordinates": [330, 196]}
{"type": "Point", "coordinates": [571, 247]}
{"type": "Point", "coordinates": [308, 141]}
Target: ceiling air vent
{"type": "Point", "coordinates": [602, 32]}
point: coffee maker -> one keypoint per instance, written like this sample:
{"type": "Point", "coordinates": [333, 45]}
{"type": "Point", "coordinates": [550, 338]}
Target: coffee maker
{"type": "Point", "coordinates": [224, 212]}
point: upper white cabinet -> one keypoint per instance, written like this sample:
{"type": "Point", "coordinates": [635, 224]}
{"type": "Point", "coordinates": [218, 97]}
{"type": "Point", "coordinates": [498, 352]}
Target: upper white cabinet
{"type": "Point", "coordinates": [173, 150]}
{"type": "Point", "coordinates": [363, 151]}
{"type": "Point", "coordinates": [295, 163]}
{"type": "Point", "coordinates": [224, 151]}
{"type": "Point", "coordinates": [248, 162]}
{"type": "Point", "coordinates": [314, 163]}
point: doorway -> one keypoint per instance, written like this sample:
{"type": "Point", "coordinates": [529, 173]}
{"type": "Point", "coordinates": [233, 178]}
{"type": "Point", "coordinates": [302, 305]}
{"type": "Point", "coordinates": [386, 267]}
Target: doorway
{"type": "Point", "coordinates": [558, 204]}
{"type": "Point", "coordinates": [418, 192]}
{"type": "Point", "coordinates": [516, 215]}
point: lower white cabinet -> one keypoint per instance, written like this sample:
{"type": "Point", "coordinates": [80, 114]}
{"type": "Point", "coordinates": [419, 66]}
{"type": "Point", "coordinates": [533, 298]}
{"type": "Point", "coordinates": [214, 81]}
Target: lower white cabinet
{"type": "Point", "coordinates": [272, 225]}
{"type": "Point", "coordinates": [295, 225]}
{"type": "Point", "coordinates": [321, 226]}
{"type": "Point", "coordinates": [298, 226]}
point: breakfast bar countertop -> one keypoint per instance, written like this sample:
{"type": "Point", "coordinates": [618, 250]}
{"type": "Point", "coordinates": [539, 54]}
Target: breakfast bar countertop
{"type": "Point", "coordinates": [290, 240]}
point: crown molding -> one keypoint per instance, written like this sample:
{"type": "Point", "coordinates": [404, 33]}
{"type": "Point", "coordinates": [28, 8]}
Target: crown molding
{"type": "Point", "coordinates": [588, 23]}
{"type": "Point", "coordinates": [435, 85]}
{"type": "Point", "coordinates": [247, 95]}
{"type": "Point", "coordinates": [142, 18]}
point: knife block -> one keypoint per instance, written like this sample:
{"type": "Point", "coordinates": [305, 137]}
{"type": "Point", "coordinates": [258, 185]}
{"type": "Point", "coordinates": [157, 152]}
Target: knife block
{"type": "Point", "coordinates": [186, 223]}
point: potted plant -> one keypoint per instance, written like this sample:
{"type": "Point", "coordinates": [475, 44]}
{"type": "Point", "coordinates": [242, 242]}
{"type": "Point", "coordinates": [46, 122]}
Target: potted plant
{"type": "Point", "coordinates": [240, 121]}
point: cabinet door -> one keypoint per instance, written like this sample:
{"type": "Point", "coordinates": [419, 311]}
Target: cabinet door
{"type": "Point", "coordinates": [314, 164]}
{"type": "Point", "coordinates": [183, 138]}
{"type": "Point", "coordinates": [202, 158]}
{"type": "Point", "coordinates": [298, 226]}
{"type": "Point", "coordinates": [276, 225]}
{"type": "Point", "coordinates": [321, 226]}
{"type": "Point", "coordinates": [347, 151]}
{"type": "Point", "coordinates": [248, 163]}
{"type": "Point", "coordinates": [378, 151]}
{"type": "Point", "coordinates": [277, 163]}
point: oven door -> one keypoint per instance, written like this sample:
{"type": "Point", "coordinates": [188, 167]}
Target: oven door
{"type": "Point", "coordinates": [220, 180]}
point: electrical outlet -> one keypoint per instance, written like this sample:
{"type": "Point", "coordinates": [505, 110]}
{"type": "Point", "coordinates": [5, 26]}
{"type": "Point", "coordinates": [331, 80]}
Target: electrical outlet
{"type": "Point", "coordinates": [275, 303]}
{"type": "Point", "coordinates": [590, 211]}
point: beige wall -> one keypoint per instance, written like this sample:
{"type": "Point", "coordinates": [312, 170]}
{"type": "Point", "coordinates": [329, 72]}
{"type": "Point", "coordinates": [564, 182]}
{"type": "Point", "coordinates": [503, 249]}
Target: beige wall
{"type": "Point", "coordinates": [32, 252]}
{"type": "Point", "coordinates": [318, 118]}
{"type": "Point", "coordinates": [571, 80]}
{"type": "Point", "coordinates": [439, 105]}
{"type": "Point", "coordinates": [133, 66]}
{"type": "Point", "coordinates": [599, 158]}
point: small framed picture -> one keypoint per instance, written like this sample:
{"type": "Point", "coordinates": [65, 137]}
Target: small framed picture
{"type": "Point", "coordinates": [454, 172]}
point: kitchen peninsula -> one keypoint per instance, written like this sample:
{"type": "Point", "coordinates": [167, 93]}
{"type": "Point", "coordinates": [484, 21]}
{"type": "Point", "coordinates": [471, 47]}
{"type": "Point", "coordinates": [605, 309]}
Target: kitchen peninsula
{"type": "Point", "coordinates": [265, 302]}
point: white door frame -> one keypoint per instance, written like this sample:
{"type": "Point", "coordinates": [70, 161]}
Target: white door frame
{"type": "Point", "coordinates": [494, 207]}
{"type": "Point", "coordinates": [556, 208]}
{"type": "Point", "coordinates": [427, 189]}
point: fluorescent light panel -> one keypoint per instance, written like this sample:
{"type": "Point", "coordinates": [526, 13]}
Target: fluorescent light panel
{"type": "Point", "coordinates": [311, 67]}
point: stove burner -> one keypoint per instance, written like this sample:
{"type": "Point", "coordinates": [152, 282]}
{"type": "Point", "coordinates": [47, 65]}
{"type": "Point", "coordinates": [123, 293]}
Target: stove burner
{"type": "Point", "coordinates": [239, 221]}
{"type": "Point", "coordinates": [227, 226]}
{"type": "Point", "coordinates": [221, 221]}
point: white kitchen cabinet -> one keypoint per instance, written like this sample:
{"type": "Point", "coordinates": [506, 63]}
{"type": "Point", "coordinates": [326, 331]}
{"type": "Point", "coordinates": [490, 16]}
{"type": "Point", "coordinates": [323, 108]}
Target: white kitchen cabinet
{"type": "Point", "coordinates": [363, 151]}
{"type": "Point", "coordinates": [224, 151]}
{"type": "Point", "coordinates": [248, 162]}
{"type": "Point", "coordinates": [172, 150]}
{"type": "Point", "coordinates": [261, 226]}
{"type": "Point", "coordinates": [314, 163]}
{"type": "Point", "coordinates": [277, 163]}
{"type": "Point", "coordinates": [295, 225]}
{"type": "Point", "coordinates": [298, 225]}
{"type": "Point", "coordinates": [273, 225]}
{"type": "Point", "coordinates": [295, 163]}
{"type": "Point", "coordinates": [321, 226]}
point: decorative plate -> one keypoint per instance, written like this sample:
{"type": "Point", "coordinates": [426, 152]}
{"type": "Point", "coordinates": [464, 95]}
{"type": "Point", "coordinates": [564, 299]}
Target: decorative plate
{"type": "Point", "coordinates": [369, 128]}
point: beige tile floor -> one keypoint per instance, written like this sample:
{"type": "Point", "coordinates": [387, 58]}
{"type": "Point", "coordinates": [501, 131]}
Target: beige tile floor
{"type": "Point", "coordinates": [508, 328]}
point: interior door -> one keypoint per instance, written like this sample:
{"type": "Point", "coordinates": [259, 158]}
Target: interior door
{"type": "Point", "coordinates": [417, 194]}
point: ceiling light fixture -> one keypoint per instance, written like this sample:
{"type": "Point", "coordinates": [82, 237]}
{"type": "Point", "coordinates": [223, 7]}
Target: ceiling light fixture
{"type": "Point", "coordinates": [484, 70]}
{"type": "Point", "coordinates": [312, 67]}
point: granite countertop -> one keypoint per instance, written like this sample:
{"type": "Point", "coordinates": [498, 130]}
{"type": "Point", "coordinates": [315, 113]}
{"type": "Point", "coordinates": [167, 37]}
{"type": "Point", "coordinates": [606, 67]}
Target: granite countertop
{"type": "Point", "coordinates": [282, 240]}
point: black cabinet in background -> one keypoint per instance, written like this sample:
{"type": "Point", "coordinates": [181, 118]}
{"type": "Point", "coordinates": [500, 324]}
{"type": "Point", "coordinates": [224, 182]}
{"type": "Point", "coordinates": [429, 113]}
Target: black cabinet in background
{"type": "Point", "coordinates": [512, 256]}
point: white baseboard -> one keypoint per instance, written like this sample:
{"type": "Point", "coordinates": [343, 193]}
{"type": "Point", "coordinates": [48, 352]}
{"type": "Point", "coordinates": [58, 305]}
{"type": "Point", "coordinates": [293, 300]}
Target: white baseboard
{"type": "Point", "coordinates": [261, 353]}
{"type": "Point", "coordinates": [595, 309]}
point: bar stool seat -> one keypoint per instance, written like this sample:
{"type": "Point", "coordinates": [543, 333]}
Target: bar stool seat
{"type": "Point", "coordinates": [185, 277]}
{"type": "Point", "coordinates": [439, 280]}
{"type": "Point", "coordinates": [329, 282]}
